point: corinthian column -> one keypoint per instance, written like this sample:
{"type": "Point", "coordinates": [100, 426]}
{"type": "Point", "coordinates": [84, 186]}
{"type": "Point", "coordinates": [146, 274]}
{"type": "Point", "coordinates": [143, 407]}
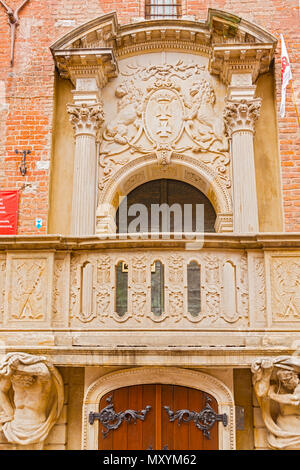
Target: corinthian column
{"type": "Point", "coordinates": [240, 117]}
{"type": "Point", "coordinates": [86, 120]}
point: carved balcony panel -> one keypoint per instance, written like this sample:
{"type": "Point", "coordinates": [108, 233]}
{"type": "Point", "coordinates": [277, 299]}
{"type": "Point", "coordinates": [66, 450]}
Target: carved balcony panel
{"type": "Point", "coordinates": [223, 283]}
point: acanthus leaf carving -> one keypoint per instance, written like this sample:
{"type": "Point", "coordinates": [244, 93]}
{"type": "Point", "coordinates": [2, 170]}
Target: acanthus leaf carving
{"type": "Point", "coordinates": [86, 119]}
{"type": "Point", "coordinates": [241, 115]}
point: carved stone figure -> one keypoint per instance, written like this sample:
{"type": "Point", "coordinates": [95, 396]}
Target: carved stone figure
{"type": "Point", "coordinates": [31, 398]}
{"type": "Point", "coordinates": [120, 130]}
{"type": "Point", "coordinates": [277, 387]}
{"type": "Point", "coordinates": [202, 122]}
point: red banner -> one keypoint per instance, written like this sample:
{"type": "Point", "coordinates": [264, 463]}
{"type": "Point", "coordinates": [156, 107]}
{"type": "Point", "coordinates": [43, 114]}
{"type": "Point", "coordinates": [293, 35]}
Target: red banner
{"type": "Point", "coordinates": [9, 203]}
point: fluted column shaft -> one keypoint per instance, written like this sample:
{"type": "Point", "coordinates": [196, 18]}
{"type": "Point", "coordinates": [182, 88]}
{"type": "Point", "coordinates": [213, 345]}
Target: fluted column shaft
{"type": "Point", "coordinates": [86, 120]}
{"type": "Point", "coordinates": [240, 117]}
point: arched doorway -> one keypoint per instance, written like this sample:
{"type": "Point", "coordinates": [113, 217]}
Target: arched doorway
{"type": "Point", "coordinates": [158, 417]}
{"type": "Point", "coordinates": [207, 385]}
{"type": "Point", "coordinates": [169, 192]}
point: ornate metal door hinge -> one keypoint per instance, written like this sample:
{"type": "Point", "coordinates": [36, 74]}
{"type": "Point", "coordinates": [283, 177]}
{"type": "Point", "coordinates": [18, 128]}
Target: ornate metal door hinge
{"type": "Point", "coordinates": [204, 419]}
{"type": "Point", "coordinates": [111, 420]}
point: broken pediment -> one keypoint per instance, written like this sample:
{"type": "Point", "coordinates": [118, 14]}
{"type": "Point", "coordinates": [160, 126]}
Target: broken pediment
{"type": "Point", "coordinates": [229, 42]}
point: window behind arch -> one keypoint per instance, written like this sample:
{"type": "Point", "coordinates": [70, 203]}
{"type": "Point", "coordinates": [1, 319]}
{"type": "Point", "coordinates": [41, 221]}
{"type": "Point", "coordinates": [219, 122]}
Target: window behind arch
{"type": "Point", "coordinates": [194, 288]}
{"type": "Point", "coordinates": [159, 9]}
{"type": "Point", "coordinates": [157, 288]}
{"type": "Point", "coordinates": [121, 288]}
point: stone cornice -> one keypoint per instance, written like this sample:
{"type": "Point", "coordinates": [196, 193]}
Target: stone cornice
{"type": "Point", "coordinates": [276, 241]}
{"type": "Point", "coordinates": [232, 44]}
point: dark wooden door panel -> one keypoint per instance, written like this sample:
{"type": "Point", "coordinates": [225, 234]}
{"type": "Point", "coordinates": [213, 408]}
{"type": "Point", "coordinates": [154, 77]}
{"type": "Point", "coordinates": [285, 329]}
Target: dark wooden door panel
{"type": "Point", "coordinates": [167, 191]}
{"type": "Point", "coordinates": [157, 431]}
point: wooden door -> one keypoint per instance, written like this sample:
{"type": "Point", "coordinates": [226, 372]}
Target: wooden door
{"type": "Point", "coordinates": [157, 417]}
{"type": "Point", "coordinates": [167, 191]}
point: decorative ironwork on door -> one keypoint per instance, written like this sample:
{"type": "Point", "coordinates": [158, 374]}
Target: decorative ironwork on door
{"type": "Point", "coordinates": [204, 419]}
{"type": "Point", "coordinates": [111, 420]}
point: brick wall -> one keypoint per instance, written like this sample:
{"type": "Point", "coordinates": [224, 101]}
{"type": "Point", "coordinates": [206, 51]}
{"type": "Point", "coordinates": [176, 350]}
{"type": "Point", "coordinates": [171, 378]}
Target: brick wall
{"type": "Point", "coordinates": [26, 90]}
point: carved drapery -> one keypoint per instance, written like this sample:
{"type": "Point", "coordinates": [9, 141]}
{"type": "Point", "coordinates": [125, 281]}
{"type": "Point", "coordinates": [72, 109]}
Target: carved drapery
{"type": "Point", "coordinates": [240, 117]}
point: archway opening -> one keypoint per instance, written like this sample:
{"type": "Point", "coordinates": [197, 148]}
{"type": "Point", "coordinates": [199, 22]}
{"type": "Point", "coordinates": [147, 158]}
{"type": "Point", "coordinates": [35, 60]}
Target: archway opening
{"type": "Point", "coordinates": [165, 205]}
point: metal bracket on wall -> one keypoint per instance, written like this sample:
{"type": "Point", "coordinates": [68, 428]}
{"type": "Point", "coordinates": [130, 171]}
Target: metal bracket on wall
{"type": "Point", "coordinates": [13, 21]}
{"type": "Point", "coordinates": [23, 167]}
{"type": "Point", "coordinates": [111, 420]}
{"type": "Point", "coordinates": [204, 419]}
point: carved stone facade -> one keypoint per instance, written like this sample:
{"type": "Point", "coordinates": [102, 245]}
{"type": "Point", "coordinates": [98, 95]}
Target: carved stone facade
{"type": "Point", "coordinates": [146, 101]}
{"type": "Point", "coordinates": [159, 108]}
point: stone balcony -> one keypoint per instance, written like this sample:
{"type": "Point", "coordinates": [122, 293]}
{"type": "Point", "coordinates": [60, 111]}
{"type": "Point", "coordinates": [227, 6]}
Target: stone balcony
{"type": "Point", "coordinates": [58, 296]}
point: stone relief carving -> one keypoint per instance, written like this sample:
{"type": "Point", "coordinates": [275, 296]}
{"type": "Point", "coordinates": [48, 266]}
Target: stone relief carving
{"type": "Point", "coordinates": [139, 302]}
{"type": "Point", "coordinates": [277, 387]}
{"type": "Point", "coordinates": [28, 414]}
{"type": "Point", "coordinates": [165, 109]}
{"type": "Point", "coordinates": [285, 282]}
{"type": "Point", "coordinates": [214, 290]}
{"type": "Point", "coordinates": [260, 288]}
{"type": "Point", "coordinates": [28, 298]}
{"type": "Point", "coordinates": [103, 303]}
{"type": "Point", "coordinates": [58, 280]}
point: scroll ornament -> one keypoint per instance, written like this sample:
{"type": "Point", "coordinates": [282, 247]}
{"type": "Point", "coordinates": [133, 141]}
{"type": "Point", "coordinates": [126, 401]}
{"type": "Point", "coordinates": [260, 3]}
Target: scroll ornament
{"type": "Point", "coordinates": [31, 398]}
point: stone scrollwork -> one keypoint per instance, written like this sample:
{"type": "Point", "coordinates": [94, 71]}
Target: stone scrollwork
{"type": "Point", "coordinates": [31, 398]}
{"type": "Point", "coordinates": [277, 386]}
{"type": "Point", "coordinates": [241, 115]}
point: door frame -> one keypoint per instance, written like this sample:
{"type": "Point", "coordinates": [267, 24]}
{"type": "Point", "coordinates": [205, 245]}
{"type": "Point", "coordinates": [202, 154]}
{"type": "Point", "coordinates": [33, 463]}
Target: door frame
{"type": "Point", "coordinates": [159, 375]}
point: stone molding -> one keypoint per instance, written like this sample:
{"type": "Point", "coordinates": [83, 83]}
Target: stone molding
{"type": "Point", "coordinates": [162, 375]}
{"type": "Point", "coordinates": [86, 119]}
{"type": "Point", "coordinates": [241, 116]}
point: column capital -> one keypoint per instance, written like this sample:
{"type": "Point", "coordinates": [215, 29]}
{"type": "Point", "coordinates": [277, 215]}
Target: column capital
{"type": "Point", "coordinates": [241, 115]}
{"type": "Point", "coordinates": [86, 119]}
